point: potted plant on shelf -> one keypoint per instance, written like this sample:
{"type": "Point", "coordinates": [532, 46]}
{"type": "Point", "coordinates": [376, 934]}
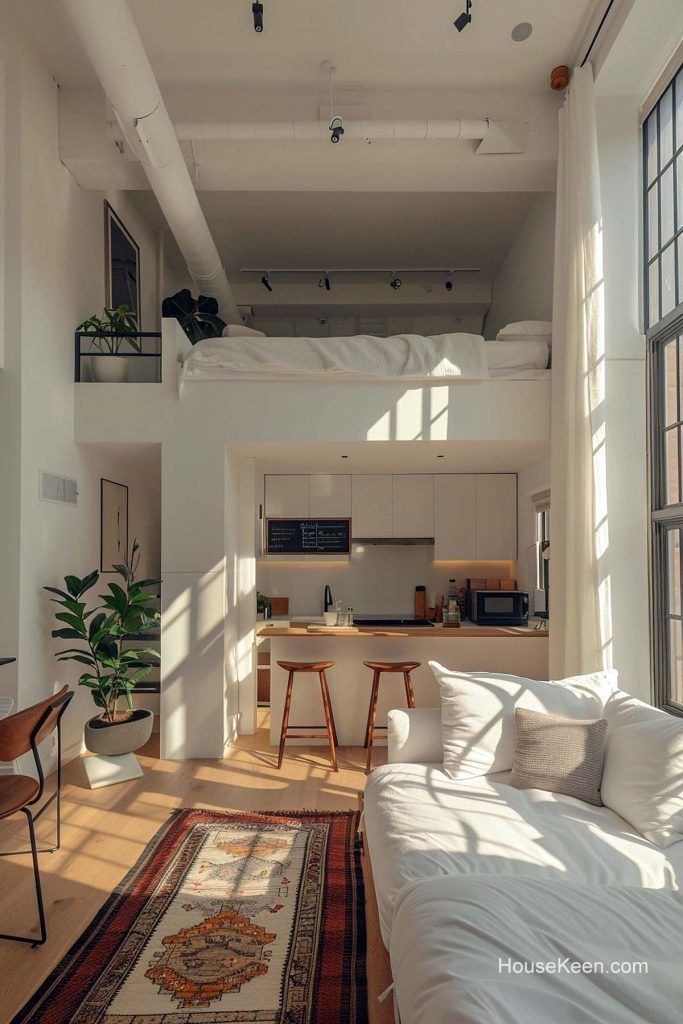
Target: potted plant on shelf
{"type": "Point", "coordinates": [110, 331]}
{"type": "Point", "coordinates": [198, 317]}
{"type": "Point", "coordinates": [114, 668]}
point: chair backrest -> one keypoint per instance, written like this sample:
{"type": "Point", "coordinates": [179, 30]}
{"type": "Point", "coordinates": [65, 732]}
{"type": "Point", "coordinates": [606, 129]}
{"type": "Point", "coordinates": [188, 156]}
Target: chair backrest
{"type": "Point", "coordinates": [20, 731]}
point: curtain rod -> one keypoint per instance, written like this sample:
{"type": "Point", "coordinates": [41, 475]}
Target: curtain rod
{"type": "Point", "coordinates": [597, 32]}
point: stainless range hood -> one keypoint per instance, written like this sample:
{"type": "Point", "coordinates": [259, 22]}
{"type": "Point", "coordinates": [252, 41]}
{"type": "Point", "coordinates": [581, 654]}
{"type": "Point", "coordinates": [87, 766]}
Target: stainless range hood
{"type": "Point", "coordinates": [402, 541]}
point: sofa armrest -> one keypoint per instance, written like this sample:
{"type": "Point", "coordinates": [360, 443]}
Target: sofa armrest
{"type": "Point", "coordinates": [414, 736]}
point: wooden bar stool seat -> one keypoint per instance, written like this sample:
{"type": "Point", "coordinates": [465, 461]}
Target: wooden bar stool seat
{"type": "Point", "coordinates": [405, 668]}
{"type": "Point", "coordinates": [320, 668]}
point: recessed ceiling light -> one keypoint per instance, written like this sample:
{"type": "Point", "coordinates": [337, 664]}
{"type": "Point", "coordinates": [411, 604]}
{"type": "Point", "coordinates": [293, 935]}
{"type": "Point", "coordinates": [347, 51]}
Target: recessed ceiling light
{"type": "Point", "coordinates": [441, 456]}
{"type": "Point", "coordinates": [522, 31]}
{"type": "Point", "coordinates": [344, 456]}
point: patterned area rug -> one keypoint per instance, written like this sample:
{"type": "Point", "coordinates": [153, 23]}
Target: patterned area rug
{"type": "Point", "coordinates": [225, 918]}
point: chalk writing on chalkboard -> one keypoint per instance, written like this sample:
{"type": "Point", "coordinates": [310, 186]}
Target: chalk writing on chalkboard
{"type": "Point", "coordinates": [308, 536]}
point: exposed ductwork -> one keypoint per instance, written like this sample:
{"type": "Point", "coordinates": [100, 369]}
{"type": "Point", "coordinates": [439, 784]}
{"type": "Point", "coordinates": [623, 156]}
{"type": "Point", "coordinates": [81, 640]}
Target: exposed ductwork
{"type": "Point", "coordinates": [111, 39]}
{"type": "Point", "coordinates": [494, 136]}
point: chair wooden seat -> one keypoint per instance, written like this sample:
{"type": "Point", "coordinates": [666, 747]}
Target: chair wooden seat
{"type": "Point", "coordinates": [15, 792]}
{"type": "Point", "coordinates": [392, 666]}
{"type": "Point", "coordinates": [305, 666]}
{"type": "Point", "coordinates": [319, 667]}
{"type": "Point", "coordinates": [405, 668]}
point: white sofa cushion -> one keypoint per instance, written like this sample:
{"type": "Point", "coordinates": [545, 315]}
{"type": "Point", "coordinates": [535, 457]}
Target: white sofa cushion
{"type": "Point", "coordinates": [643, 772]}
{"type": "Point", "coordinates": [478, 713]}
{"type": "Point", "coordinates": [420, 823]}
{"type": "Point", "coordinates": [463, 928]}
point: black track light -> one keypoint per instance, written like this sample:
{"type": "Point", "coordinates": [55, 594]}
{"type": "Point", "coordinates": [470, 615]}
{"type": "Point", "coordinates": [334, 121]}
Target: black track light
{"type": "Point", "coordinates": [328, 286]}
{"type": "Point", "coordinates": [257, 11]}
{"type": "Point", "coordinates": [395, 283]}
{"type": "Point", "coordinates": [448, 284]}
{"type": "Point", "coordinates": [266, 283]}
{"type": "Point", "coordinates": [464, 19]}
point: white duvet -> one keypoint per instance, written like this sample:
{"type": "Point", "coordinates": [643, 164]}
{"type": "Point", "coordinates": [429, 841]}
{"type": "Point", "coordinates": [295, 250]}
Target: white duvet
{"type": "Point", "coordinates": [360, 358]}
{"type": "Point", "coordinates": [469, 932]}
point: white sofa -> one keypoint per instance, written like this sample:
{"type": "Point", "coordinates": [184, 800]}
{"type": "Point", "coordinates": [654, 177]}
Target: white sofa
{"type": "Point", "coordinates": [461, 868]}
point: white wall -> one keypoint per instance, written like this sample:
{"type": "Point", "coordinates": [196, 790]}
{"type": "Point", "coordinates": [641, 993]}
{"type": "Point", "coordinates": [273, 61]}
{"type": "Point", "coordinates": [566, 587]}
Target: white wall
{"type": "Point", "coordinates": [523, 286]}
{"type": "Point", "coordinates": [55, 279]}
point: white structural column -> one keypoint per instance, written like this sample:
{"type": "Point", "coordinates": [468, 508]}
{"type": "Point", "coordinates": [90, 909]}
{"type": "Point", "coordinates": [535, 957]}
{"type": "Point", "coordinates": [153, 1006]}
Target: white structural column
{"type": "Point", "coordinates": [111, 39]}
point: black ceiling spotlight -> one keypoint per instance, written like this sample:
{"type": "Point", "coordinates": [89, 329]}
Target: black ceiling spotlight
{"type": "Point", "coordinates": [266, 283]}
{"type": "Point", "coordinates": [336, 129]}
{"type": "Point", "coordinates": [257, 11]}
{"type": "Point", "coordinates": [464, 19]}
{"type": "Point", "coordinates": [395, 283]}
{"type": "Point", "coordinates": [328, 286]}
{"type": "Point", "coordinates": [448, 283]}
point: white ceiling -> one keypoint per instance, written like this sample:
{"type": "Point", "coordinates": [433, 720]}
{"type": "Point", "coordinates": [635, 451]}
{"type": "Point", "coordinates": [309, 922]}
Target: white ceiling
{"type": "Point", "coordinates": [398, 456]}
{"type": "Point", "coordinates": [401, 44]}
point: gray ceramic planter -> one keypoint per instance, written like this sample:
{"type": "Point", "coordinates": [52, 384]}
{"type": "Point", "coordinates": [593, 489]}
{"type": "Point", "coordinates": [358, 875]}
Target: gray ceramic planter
{"type": "Point", "coordinates": [119, 737]}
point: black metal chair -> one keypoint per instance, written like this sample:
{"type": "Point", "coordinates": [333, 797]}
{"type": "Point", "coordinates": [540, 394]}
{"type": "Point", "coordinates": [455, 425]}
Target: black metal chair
{"type": "Point", "coordinates": [20, 733]}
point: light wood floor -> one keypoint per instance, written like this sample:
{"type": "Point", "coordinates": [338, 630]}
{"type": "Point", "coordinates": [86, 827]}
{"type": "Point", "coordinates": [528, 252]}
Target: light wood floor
{"type": "Point", "coordinates": [104, 831]}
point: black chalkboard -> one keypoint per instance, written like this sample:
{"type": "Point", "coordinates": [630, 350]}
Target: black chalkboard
{"type": "Point", "coordinates": [308, 536]}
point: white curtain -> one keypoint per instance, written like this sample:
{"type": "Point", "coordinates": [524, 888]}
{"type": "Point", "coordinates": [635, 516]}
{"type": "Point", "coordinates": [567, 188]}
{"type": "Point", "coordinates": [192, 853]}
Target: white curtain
{"type": "Point", "coordinates": [580, 621]}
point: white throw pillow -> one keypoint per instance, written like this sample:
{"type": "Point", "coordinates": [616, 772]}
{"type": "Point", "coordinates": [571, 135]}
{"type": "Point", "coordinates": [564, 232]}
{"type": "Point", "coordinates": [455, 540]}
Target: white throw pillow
{"type": "Point", "coordinates": [527, 329]}
{"type": "Point", "coordinates": [240, 331]}
{"type": "Point", "coordinates": [478, 713]}
{"type": "Point", "coordinates": [642, 778]}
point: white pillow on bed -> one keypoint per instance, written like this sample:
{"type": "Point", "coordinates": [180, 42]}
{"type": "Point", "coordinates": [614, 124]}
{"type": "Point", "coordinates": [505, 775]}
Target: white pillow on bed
{"type": "Point", "coordinates": [478, 713]}
{"type": "Point", "coordinates": [642, 777]}
{"type": "Point", "coordinates": [240, 331]}
{"type": "Point", "coordinates": [526, 329]}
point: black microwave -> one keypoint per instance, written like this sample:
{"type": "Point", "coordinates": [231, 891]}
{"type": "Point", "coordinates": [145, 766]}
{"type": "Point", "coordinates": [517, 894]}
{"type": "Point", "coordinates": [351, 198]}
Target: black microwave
{"type": "Point", "coordinates": [498, 607]}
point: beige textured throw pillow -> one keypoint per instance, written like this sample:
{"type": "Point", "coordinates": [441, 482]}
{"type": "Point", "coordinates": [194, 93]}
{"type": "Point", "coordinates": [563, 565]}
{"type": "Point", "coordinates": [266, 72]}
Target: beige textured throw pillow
{"type": "Point", "coordinates": [559, 755]}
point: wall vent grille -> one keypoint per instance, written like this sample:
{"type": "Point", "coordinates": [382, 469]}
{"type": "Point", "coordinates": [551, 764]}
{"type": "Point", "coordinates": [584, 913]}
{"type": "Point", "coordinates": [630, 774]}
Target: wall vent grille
{"type": "Point", "coordinates": [58, 488]}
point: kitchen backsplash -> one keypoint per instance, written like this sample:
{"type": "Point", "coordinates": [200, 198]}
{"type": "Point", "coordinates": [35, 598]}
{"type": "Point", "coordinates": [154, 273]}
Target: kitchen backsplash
{"type": "Point", "coordinates": [378, 579]}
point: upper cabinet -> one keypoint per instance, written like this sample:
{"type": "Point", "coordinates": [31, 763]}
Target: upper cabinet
{"type": "Point", "coordinates": [496, 517]}
{"type": "Point", "coordinates": [287, 495]}
{"type": "Point", "coordinates": [455, 535]}
{"type": "Point", "coordinates": [413, 505]}
{"type": "Point", "coordinates": [372, 505]}
{"type": "Point", "coordinates": [329, 495]}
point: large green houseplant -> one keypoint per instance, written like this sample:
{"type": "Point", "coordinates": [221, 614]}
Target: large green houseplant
{"type": "Point", "coordinates": [103, 636]}
{"type": "Point", "coordinates": [110, 331]}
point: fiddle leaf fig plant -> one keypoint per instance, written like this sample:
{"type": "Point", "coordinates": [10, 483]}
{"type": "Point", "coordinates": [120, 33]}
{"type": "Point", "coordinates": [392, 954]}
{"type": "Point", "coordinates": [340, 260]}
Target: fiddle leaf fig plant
{"type": "Point", "coordinates": [197, 317]}
{"type": "Point", "coordinates": [103, 634]}
{"type": "Point", "coordinates": [115, 326]}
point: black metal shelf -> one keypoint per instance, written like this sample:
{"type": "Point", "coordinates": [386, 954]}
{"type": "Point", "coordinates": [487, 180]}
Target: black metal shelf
{"type": "Point", "coordinates": [145, 338]}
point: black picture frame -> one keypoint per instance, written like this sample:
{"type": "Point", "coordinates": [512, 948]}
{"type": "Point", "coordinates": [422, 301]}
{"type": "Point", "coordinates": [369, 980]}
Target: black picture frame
{"type": "Point", "coordinates": [122, 264]}
{"type": "Point", "coordinates": [106, 553]}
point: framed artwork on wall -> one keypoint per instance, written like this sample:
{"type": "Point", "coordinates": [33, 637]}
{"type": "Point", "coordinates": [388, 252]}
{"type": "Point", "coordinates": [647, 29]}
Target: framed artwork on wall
{"type": "Point", "coordinates": [122, 264]}
{"type": "Point", "coordinates": [113, 524]}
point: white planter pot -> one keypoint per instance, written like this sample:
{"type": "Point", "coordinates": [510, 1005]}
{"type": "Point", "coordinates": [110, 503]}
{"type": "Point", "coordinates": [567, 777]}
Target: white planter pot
{"type": "Point", "coordinates": [119, 737]}
{"type": "Point", "coordinates": [109, 369]}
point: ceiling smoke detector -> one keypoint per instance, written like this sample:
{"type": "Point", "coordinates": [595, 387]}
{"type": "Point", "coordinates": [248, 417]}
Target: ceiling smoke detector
{"type": "Point", "coordinates": [522, 31]}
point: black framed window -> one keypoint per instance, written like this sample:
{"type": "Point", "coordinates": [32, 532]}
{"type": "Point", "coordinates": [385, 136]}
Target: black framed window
{"type": "Point", "coordinates": [663, 307]}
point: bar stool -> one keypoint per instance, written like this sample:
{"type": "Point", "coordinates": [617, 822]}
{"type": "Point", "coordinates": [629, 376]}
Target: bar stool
{"type": "Point", "coordinates": [378, 667]}
{"type": "Point", "coordinates": [321, 668]}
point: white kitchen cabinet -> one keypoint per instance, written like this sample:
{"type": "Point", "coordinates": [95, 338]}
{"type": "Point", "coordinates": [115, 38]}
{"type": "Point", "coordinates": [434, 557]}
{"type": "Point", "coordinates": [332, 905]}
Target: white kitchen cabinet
{"type": "Point", "coordinates": [330, 495]}
{"type": "Point", "coordinates": [413, 505]}
{"type": "Point", "coordinates": [287, 495]}
{"type": "Point", "coordinates": [496, 503]}
{"type": "Point", "coordinates": [455, 522]}
{"type": "Point", "coordinates": [372, 505]}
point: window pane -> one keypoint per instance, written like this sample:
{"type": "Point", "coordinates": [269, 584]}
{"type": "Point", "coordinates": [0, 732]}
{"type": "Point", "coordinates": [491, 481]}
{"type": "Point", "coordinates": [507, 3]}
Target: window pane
{"type": "Point", "coordinates": [653, 294]}
{"type": "Point", "coordinates": [671, 382]}
{"type": "Point", "coordinates": [679, 188]}
{"type": "Point", "coordinates": [680, 268]}
{"type": "Point", "coordinates": [672, 468]}
{"type": "Point", "coordinates": [676, 667]}
{"type": "Point", "coordinates": [651, 144]}
{"type": "Point", "coordinates": [666, 139]}
{"type": "Point", "coordinates": [679, 110]}
{"type": "Point", "coordinates": [653, 220]}
{"type": "Point", "coordinates": [668, 280]}
{"type": "Point", "coordinates": [674, 562]}
{"type": "Point", "coordinates": [666, 187]}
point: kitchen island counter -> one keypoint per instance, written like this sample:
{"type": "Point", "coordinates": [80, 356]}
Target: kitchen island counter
{"type": "Point", "coordinates": [471, 648]}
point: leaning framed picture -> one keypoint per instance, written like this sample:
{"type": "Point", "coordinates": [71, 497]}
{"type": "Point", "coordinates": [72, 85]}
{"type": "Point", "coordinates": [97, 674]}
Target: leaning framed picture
{"type": "Point", "coordinates": [122, 264]}
{"type": "Point", "coordinates": [113, 524]}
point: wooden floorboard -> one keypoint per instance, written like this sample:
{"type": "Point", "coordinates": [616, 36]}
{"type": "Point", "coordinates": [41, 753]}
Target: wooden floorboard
{"type": "Point", "coordinates": [104, 832]}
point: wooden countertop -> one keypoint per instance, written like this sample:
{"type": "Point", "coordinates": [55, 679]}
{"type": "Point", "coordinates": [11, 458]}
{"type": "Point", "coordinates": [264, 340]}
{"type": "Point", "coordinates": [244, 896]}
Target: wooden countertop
{"type": "Point", "coordinates": [423, 632]}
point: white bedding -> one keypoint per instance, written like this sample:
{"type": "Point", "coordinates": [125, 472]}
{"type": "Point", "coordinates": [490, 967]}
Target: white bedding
{"type": "Point", "coordinates": [361, 358]}
{"type": "Point", "coordinates": [462, 927]}
{"type": "Point", "coordinates": [420, 824]}
{"type": "Point", "coordinates": [515, 359]}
